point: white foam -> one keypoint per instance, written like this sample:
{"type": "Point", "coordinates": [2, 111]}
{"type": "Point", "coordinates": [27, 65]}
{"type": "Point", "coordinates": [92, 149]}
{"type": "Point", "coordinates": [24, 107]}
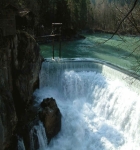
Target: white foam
{"type": "Point", "coordinates": [98, 112]}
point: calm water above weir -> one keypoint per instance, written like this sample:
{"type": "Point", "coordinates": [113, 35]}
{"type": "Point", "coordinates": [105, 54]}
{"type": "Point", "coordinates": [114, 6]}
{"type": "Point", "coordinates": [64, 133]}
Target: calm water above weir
{"type": "Point", "coordinates": [117, 51]}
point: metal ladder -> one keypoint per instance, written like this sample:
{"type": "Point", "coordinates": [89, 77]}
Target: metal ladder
{"type": "Point", "coordinates": [53, 34]}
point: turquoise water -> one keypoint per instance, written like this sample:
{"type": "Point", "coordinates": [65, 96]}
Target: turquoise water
{"type": "Point", "coordinates": [118, 50]}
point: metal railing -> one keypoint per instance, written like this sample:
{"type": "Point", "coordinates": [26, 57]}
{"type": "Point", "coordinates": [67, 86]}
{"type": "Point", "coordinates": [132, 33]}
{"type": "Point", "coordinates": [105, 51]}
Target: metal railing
{"type": "Point", "coordinates": [56, 27]}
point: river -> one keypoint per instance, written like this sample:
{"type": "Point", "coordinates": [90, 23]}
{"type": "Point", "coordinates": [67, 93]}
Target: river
{"type": "Point", "coordinates": [95, 92]}
{"type": "Point", "coordinates": [118, 50]}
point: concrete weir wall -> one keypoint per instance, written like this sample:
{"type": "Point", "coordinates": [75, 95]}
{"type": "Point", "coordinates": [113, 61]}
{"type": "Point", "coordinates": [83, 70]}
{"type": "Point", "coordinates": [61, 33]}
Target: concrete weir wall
{"type": "Point", "coordinates": [108, 70]}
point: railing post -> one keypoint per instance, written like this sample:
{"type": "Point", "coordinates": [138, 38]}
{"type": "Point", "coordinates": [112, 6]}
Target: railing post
{"type": "Point", "coordinates": [53, 35]}
{"type": "Point", "coordinates": [53, 46]}
{"type": "Point", "coordinates": [60, 47]}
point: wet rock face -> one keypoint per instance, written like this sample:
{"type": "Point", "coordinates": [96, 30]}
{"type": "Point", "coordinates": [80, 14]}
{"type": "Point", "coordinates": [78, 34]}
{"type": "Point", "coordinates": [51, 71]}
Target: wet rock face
{"type": "Point", "coordinates": [51, 117]}
{"type": "Point", "coordinates": [20, 65]}
{"type": "Point", "coordinates": [26, 68]}
{"type": "Point", "coordinates": [8, 118]}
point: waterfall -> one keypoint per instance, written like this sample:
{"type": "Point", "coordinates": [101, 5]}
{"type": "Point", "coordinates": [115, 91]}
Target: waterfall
{"type": "Point", "coordinates": [38, 137]}
{"type": "Point", "coordinates": [99, 105]}
{"type": "Point", "coordinates": [20, 145]}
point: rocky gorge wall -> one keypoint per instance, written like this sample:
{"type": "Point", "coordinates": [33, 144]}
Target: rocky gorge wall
{"type": "Point", "coordinates": [20, 64]}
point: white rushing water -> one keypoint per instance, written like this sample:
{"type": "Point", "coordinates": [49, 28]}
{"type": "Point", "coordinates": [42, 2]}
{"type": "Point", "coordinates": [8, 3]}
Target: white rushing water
{"type": "Point", "coordinates": [99, 112]}
{"type": "Point", "coordinates": [20, 145]}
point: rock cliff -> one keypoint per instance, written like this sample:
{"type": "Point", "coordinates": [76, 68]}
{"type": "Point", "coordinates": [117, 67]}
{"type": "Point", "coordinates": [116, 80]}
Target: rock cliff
{"type": "Point", "coordinates": [20, 63]}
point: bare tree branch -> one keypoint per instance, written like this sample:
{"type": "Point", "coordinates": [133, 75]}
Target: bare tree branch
{"type": "Point", "coordinates": [132, 22]}
{"type": "Point", "coordinates": [133, 51]}
{"type": "Point", "coordinates": [135, 3]}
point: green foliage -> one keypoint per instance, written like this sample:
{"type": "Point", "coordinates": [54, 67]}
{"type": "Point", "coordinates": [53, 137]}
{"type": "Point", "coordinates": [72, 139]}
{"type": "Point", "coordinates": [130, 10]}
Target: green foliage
{"type": "Point", "coordinates": [80, 14]}
{"type": "Point", "coordinates": [72, 13]}
{"type": "Point", "coordinates": [109, 13]}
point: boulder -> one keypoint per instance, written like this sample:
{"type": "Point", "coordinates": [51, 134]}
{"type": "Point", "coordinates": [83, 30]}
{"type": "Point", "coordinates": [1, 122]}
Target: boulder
{"type": "Point", "coordinates": [51, 117]}
{"type": "Point", "coordinates": [49, 102]}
